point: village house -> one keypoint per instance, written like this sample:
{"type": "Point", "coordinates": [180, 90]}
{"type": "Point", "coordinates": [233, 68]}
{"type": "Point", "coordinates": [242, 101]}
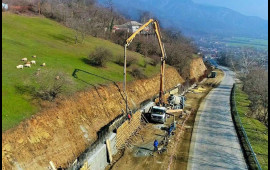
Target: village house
{"type": "Point", "coordinates": [130, 27]}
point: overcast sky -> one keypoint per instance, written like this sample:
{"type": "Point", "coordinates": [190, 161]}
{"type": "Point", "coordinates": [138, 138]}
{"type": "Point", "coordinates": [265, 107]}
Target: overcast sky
{"type": "Point", "coordinates": [247, 7]}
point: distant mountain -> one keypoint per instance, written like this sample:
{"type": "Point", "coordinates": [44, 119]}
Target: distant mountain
{"type": "Point", "coordinates": [247, 7]}
{"type": "Point", "coordinates": [194, 19]}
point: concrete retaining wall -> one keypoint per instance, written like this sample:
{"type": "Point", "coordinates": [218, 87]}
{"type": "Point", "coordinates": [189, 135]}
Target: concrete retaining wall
{"type": "Point", "coordinates": [99, 158]}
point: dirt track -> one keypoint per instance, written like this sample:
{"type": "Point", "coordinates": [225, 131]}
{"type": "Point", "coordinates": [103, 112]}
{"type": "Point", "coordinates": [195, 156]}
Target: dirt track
{"type": "Point", "coordinates": [176, 156]}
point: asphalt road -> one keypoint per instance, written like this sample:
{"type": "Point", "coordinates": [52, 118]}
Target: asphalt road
{"type": "Point", "coordinates": [214, 143]}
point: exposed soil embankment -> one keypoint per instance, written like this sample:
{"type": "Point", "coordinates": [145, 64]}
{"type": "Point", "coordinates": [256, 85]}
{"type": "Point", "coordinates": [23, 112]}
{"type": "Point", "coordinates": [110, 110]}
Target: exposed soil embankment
{"type": "Point", "coordinates": [62, 133]}
{"type": "Point", "coordinates": [197, 68]}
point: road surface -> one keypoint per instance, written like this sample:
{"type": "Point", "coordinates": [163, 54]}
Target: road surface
{"type": "Point", "coordinates": [214, 143]}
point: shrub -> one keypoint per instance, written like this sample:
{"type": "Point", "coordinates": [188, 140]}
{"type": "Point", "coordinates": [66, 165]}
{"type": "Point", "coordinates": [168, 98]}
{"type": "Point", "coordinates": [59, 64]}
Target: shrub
{"type": "Point", "coordinates": [52, 84]}
{"type": "Point", "coordinates": [47, 85]}
{"type": "Point", "coordinates": [154, 60]}
{"type": "Point", "coordinates": [137, 73]}
{"type": "Point", "coordinates": [100, 57]}
{"type": "Point", "coordinates": [130, 60]}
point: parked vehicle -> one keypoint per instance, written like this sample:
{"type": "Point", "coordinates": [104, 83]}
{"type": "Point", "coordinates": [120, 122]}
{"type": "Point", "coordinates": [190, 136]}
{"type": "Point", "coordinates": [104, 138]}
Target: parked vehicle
{"type": "Point", "coordinates": [158, 114]}
{"type": "Point", "coordinates": [213, 74]}
{"type": "Point", "coordinates": [177, 102]}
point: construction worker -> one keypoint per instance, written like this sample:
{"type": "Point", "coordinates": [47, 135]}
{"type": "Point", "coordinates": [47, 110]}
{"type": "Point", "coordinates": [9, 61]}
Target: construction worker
{"type": "Point", "coordinates": [155, 145]}
{"type": "Point", "coordinates": [129, 117]}
{"type": "Point", "coordinates": [170, 130]}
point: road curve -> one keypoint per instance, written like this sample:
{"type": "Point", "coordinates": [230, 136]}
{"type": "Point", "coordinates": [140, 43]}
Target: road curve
{"type": "Point", "coordinates": [214, 143]}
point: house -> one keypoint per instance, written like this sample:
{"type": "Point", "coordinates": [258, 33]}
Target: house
{"type": "Point", "coordinates": [131, 26]}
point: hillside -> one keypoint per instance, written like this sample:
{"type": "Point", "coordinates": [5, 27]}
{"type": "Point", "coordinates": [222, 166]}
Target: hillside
{"type": "Point", "coordinates": [59, 129]}
{"type": "Point", "coordinates": [256, 131]}
{"type": "Point", "coordinates": [194, 19]}
{"type": "Point", "coordinates": [52, 43]}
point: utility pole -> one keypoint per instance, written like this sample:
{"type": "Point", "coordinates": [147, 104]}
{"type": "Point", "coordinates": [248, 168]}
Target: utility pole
{"type": "Point", "coordinates": [39, 7]}
{"type": "Point", "coordinates": [125, 76]}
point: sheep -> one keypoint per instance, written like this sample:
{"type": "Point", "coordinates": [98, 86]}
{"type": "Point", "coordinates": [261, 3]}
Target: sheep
{"type": "Point", "coordinates": [43, 64]}
{"type": "Point", "coordinates": [27, 65]}
{"type": "Point", "coordinates": [20, 66]}
{"type": "Point", "coordinates": [28, 62]}
{"type": "Point", "coordinates": [34, 56]}
{"type": "Point", "coordinates": [24, 59]}
{"type": "Point", "coordinates": [33, 62]}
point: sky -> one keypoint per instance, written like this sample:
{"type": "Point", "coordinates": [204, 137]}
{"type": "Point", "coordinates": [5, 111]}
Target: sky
{"type": "Point", "coordinates": [247, 7]}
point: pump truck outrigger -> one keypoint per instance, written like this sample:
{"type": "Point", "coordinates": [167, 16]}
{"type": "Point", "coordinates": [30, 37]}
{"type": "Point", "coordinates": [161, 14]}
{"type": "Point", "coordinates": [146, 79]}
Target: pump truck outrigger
{"type": "Point", "coordinates": [162, 66]}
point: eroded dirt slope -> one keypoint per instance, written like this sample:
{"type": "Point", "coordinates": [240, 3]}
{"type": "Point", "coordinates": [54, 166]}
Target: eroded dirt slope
{"type": "Point", "coordinates": [61, 133]}
{"type": "Point", "coordinates": [197, 68]}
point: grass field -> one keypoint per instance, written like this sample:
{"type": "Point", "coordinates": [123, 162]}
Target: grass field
{"type": "Point", "coordinates": [257, 132]}
{"type": "Point", "coordinates": [246, 42]}
{"type": "Point", "coordinates": [52, 43]}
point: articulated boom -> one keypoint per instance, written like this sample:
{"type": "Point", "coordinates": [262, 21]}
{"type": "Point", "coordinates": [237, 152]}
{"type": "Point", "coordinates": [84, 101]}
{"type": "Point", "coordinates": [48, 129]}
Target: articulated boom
{"type": "Point", "coordinates": [163, 57]}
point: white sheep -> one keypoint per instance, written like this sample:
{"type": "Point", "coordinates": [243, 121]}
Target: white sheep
{"type": "Point", "coordinates": [33, 62]}
{"type": "Point", "coordinates": [24, 59]}
{"type": "Point", "coordinates": [20, 66]}
{"type": "Point", "coordinates": [27, 65]}
{"type": "Point", "coordinates": [43, 64]}
{"type": "Point", "coordinates": [34, 56]}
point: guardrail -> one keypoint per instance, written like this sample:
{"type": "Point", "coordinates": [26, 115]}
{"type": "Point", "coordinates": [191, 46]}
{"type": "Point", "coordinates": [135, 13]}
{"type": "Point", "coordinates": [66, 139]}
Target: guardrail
{"type": "Point", "coordinates": [249, 154]}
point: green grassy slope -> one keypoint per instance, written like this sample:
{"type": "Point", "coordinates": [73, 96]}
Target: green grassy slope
{"type": "Point", "coordinates": [257, 132]}
{"type": "Point", "coordinates": [52, 43]}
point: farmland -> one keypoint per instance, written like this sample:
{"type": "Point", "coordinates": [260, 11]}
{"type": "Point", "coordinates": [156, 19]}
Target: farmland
{"type": "Point", "coordinates": [246, 42]}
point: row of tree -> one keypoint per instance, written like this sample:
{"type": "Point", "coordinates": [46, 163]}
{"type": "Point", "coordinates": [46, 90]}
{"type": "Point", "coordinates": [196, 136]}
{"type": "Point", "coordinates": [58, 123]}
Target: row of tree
{"type": "Point", "coordinates": [252, 69]}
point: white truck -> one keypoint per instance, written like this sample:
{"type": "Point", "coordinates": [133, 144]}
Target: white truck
{"type": "Point", "coordinates": [177, 102]}
{"type": "Point", "coordinates": [158, 114]}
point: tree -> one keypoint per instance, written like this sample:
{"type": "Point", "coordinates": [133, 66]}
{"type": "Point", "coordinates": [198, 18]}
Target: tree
{"type": "Point", "coordinates": [256, 86]}
{"type": "Point", "coordinates": [145, 16]}
{"type": "Point", "coordinates": [247, 60]}
{"type": "Point", "coordinates": [48, 85]}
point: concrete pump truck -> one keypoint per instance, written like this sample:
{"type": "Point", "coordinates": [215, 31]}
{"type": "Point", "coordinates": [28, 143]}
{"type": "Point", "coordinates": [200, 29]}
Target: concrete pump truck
{"type": "Point", "coordinates": [158, 112]}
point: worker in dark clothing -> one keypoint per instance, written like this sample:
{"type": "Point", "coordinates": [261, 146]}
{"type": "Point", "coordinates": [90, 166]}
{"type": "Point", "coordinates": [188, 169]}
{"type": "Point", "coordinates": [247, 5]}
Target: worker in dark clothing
{"type": "Point", "coordinates": [170, 130]}
{"type": "Point", "coordinates": [155, 145]}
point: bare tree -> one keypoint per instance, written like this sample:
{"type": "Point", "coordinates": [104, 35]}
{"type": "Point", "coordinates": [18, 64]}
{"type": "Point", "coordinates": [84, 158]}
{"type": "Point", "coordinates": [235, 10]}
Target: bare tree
{"type": "Point", "coordinates": [256, 86]}
{"type": "Point", "coordinates": [247, 60]}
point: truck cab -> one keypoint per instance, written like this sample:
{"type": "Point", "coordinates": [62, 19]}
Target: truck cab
{"type": "Point", "coordinates": [213, 74]}
{"type": "Point", "coordinates": [158, 114]}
